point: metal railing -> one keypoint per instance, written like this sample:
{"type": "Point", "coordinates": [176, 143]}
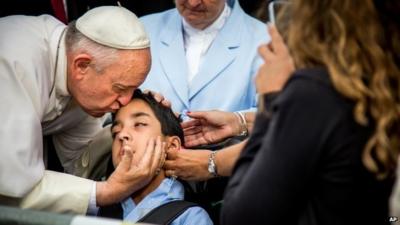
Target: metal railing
{"type": "Point", "coordinates": [17, 216]}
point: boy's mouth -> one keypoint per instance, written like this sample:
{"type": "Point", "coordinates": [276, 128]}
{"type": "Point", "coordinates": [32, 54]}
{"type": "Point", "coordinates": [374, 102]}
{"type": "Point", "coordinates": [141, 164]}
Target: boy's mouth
{"type": "Point", "coordinates": [125, 148]}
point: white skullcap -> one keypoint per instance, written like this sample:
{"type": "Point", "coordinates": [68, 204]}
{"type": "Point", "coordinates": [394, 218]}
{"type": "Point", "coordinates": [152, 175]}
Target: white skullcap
{"type": "Point", "coordinates": [113, 26]}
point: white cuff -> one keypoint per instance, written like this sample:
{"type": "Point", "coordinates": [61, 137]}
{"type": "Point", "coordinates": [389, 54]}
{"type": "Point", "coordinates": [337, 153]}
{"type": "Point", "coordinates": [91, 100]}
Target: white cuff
{"type": "Point", "coordinates": [92, 208]}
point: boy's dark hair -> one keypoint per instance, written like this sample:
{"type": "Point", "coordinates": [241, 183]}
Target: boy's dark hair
{"type": "Point", "coordinates": [170, 124]}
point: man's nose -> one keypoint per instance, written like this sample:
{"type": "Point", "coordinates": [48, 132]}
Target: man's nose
{"type": "Point", "coordinates": [124, 99]}
{"type": "Point", "coordinates": [115, 105]}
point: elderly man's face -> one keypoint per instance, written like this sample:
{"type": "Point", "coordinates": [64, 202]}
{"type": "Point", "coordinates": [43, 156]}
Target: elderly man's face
{"type": "Point", "coordinates": [134, 124]}
{"type": "Point", "coordinates": [99, 93]}
{"type": "Point", "coordinates": [200, 13]}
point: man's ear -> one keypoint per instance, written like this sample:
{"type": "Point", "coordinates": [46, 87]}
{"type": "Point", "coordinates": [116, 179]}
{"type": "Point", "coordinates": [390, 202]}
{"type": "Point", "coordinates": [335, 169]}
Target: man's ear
{"type": "Point", "coordinates": [173, 143]}
{"type": "Point", "coordinates": [80, 65]}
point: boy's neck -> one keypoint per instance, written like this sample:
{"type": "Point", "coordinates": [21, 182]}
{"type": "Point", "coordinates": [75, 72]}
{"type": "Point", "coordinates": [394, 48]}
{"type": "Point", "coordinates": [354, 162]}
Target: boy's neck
{"type": "Point", "coordinates": [142, 193]}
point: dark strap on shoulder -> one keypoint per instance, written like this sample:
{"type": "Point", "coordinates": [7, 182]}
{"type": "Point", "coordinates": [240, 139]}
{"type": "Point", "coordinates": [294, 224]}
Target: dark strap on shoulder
{"type": "Point", "coordinates": [166, 213]}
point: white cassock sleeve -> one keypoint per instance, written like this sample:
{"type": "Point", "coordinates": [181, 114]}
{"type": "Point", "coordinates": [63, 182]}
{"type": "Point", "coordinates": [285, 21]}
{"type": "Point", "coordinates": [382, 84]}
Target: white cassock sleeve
{"type": "Point", "coordinates": [22, 172]}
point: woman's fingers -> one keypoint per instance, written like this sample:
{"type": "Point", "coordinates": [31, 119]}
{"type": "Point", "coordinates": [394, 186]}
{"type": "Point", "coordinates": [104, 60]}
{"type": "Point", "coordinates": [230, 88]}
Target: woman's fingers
{"type": "Point", "coordinates": [266, 53]}
{"type": "Point", "coordinates": [192, 130]}
{"type": "Point", "coordinates": [198, 115]}
{"type": "Point", "coordinates": [276, 39]}
{"type": "Point", "coordinates": [190, 123]}
{"type": "Point", "coordinates": [159, 98]}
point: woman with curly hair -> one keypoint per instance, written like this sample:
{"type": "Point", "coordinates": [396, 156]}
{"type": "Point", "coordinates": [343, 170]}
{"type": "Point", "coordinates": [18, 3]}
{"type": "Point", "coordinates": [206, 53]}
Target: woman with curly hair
{"type": "Point", "coordinates": [325, 144]}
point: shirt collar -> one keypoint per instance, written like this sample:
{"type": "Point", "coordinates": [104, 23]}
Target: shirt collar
{"type": "Point", "coordinates": [61, 69]}
{"type": "Point", "coordinates": [214, 27]}
{"type": "Point", "coordinates": [168, 190]}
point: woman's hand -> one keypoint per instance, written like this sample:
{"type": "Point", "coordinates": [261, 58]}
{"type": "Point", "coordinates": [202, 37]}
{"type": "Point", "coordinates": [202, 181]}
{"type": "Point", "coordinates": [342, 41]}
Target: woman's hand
{"type": "Point", "coordinates": [188, 164]}
{"type": "Point", "coordinates": [209, 127]}
{"type": "Point", "coordinates": [192, 164]}
{"type": "Point", "coordinates": [278, 64]}
{"type": "Point", "coordinates": [159, 98]}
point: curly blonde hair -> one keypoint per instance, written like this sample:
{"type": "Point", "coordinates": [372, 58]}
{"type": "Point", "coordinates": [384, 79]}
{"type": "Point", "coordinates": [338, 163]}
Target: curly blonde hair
{"type": "Point", "coordinates": [360, 47]}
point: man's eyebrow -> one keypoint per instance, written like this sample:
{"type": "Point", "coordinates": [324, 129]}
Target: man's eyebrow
{"type": "Point", "coordinates": [121, 86]}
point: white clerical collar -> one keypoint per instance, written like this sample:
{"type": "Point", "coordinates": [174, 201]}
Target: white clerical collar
{"type": "Point", "coordinates": [214, 27]}
{"type": "Point", "coordinates": [61, 70]}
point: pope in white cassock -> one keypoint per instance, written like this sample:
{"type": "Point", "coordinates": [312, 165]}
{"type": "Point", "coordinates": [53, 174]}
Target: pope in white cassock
{"type": "Point", "coordinates": [60, 81]}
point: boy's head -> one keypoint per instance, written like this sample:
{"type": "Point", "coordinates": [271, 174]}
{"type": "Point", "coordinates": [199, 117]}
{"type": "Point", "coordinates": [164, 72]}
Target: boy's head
{"type": "Point", "coordinates": [142, 118]}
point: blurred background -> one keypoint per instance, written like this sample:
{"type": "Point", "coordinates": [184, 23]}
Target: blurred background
{"type": "Point", "coordinates": [68, 10]}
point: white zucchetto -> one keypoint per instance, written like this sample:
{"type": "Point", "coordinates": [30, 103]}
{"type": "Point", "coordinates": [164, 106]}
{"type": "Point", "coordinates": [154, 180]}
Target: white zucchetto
{"type": "Point", "coordinates": [113, 26]}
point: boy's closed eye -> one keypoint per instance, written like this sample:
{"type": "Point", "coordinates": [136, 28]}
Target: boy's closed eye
{"type": "Point", "coordinates": [114, 130]}
{"type": "Point", "coordinates": [140, 124]}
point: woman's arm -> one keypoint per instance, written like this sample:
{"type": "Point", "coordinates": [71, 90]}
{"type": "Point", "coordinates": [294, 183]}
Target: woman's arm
{"type": "Point", "coordinates": [193, 164]}
{"type": "Point", "coordinates": [210, 127]}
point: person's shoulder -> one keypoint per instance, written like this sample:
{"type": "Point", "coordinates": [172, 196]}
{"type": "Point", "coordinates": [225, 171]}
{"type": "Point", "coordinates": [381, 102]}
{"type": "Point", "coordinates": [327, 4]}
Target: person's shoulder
{"type": "Point", "coordinates": [256, 23]}
{"type": "Point", "coordinates": [194, 215]}
{"type": "Point", "coordinates": [197, 210]}
{"type": "Point", "coordinates": [258, 29]}
{"type": "Point", "coordinates": [34, 22]}
{"type": "Point", "coordinates": [252, 27]}
{"type": "Point", "coordinates": [318, 76]}
{"type": "Point", "coordinates": [310, 95]}
{"type": "Point", "coordinates": [30, 35]}
{"type": "Point", "coordinates": [311, 87]}
{"type": "Point", "coordinates": [248, 19]}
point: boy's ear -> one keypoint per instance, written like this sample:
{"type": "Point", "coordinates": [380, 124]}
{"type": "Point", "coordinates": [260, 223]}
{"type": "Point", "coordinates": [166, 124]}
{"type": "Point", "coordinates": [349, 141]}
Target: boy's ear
{"type": "Point", "coordinates": [173, 143]}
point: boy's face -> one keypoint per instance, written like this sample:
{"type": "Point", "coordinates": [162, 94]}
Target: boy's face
{"type": "Point", "coordinates": [134, 124]}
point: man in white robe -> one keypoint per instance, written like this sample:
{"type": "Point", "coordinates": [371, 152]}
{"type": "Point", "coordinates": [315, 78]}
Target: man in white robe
{"type": "Point", "coordinates": [61, 81]}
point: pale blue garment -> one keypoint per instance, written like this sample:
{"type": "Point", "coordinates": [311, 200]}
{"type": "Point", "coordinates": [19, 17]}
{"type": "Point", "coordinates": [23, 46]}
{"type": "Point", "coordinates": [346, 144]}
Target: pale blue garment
{"type": "Point", "coordinates": [225, 79]}
{"type": "Point", "coordinates": [169, 190]}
